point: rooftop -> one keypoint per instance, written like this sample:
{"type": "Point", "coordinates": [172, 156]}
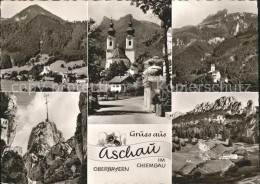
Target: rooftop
{"type": "Point", "coordinates": [118, 79]}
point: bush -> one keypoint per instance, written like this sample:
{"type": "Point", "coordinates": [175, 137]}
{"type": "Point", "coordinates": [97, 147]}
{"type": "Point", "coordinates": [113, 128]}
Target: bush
{"type": "Point", "coordinates": [23, 72]}
{"type": "Point", "coordinates": [4, 100]}
{"type": "Point", "coordinates": [58, 79]}
{"type": "Point", "coordinates": [6, 61]}
{"type": "Point", "coordinates": [93, 105]}
{"type": "Point", "coordinates": [14, 74]}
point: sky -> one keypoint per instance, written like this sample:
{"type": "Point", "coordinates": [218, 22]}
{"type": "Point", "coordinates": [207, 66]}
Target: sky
{"type": "Point", "coordinates": [116, 9]}
{"type": "Point", "coordinates": [67, 10]}
{"type": "Point", "coordinates": [185, 102]}
{"type": "Point", "coordinates": [63, 111]}
{"type": "Point", "coordinates": [193, 12]}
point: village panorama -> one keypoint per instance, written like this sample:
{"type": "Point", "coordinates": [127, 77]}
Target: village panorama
{"type": "Point", "coordinates": [42, 51]}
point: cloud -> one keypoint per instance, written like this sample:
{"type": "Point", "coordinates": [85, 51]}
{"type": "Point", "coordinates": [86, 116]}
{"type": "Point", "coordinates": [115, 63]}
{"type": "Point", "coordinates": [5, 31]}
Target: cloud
{"type": "Point", "coordinates": [63, 111]}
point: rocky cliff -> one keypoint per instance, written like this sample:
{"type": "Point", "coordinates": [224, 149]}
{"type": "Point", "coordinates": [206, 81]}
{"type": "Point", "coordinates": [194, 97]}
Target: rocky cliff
{"type": "Point", "coordinates": [12, 164]}
{"type": "Point", "coordinates": [223, 103]}
{"type": "Point", "coordinates": [81, 136]}
{"type": "Point", "coordinates": [226, 116]}
{"type": "Point", "coordinates": [43, 137]}
{"type": "Point", "coordinates": [8, 122]}
{"type": "Point", "coordinates": [50, 159]}
{"type": "Point", "coordinates": [81, 130]}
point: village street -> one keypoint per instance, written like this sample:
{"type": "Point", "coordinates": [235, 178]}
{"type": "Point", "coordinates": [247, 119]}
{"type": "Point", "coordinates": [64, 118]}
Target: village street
{"type": "Point", "coordinates": [127, 111]}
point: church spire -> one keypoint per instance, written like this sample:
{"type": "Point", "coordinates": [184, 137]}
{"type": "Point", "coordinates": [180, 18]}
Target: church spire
{"type": "Point", "coordinates": [130, 31]}
{"type": "Point", "coordinates": [111, 30]}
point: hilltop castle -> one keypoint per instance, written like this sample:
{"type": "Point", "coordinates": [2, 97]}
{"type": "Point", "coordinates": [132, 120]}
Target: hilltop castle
{"type": "Point", "coordinates": [116, 54]}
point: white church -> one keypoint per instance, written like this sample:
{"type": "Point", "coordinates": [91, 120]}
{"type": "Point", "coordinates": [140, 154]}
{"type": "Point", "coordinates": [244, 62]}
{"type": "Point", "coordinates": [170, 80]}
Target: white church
{"type": "Point", "coordinates": [116, 54]}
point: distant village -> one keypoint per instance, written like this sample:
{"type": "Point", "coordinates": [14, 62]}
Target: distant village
{"type": "Point", "coordinates": [47, 75]}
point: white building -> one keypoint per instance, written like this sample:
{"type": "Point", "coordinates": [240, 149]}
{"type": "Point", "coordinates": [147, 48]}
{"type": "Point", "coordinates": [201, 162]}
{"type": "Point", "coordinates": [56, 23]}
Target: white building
{"type": "Point", "coordinates": [119, 83]}
{"type": "Point", "coordinates": [46, 70]}
{"type": "Point", "coordinates": [215, 73]}
{"type": "Point", "coordinates": [116, 54]}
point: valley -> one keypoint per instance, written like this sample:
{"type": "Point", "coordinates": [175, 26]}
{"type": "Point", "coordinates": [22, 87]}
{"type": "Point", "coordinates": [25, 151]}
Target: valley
{"type": "Point", "coordinates": [39, 46]}
{"type": "Point", "coordinates": [216, 140]}
{"type": "Point", "coordinates": [226, 40]}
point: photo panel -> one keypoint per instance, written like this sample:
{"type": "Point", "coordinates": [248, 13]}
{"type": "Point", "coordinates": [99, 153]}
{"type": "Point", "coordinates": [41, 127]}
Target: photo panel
{"type": "Point", "coordinates": [215, 137]}
{"type": "Point", "coordinates": [129, 124]}
{"type": "Point", "coordinates": [43, 137]}
{"type": "Point", "coordinates": [215, 46]}
{"type": "Point", "coordinates": [43, 46]}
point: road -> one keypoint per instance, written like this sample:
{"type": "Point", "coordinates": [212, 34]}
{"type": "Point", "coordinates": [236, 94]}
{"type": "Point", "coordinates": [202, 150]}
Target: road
{"type": "Point", "coordinates": [127, 111]}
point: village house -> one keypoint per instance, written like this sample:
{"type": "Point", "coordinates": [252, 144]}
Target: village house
{"type": "Point", "coordinates": [215, 73]}
{"type": "Point", "coordinates": [46, 70]}
{"type": "Point", "coordinates": [49, 79]}
{"type": "Point", "coordinates": [6, 76]}
{"type": "Point", "coordinates": [119, 83]}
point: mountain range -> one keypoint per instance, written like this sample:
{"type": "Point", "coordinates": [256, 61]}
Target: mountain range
{"type": "Point", "coordinates": [228, 40]}
{"type": "Point", "coordinates": [35, 30]}
{"type": "Point", "coordinates": [225, 112]}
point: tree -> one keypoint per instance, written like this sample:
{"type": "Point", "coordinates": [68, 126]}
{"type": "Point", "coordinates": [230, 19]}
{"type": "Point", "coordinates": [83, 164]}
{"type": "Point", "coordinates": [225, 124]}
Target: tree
{"type": "Point", "coordinates": [14, 74]}
{"type": "Point", "coordinates": [58, 79]}
{"type": "Point", "coordinates": [116, 69]}
{"type": "Point", "coordinates": [162, 9]}
{"type": "Point", "coordinates": [35, 71]}
{"type": "Point", "coordinates": [23, 72]}
{"type": "Point", "coordinates": [95, 51]}
{"type": "Point", "coordinates": [6, 61]}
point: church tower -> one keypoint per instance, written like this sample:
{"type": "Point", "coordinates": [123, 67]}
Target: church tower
{"type": "Point", "coordinates": [111, 41]}
{"type": "Point", "coordinates": [130, 40]}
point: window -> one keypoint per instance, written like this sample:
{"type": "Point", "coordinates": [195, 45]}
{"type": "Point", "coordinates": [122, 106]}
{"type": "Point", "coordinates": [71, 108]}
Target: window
{"type": "Point", "coordinates": [129, 43]}
{"type": "Point", "coordinates": [110, 43]}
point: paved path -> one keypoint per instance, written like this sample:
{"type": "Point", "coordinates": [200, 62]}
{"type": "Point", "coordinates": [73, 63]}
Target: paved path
{"type": "Point", "coordinates": [127, 111]}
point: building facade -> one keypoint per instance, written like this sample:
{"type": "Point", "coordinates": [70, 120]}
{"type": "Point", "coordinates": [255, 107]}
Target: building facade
{"type": "Point", "coordinates": [116, 54]}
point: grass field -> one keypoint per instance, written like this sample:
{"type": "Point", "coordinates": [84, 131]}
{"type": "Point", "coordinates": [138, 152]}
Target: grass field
{"type": "Point", "coordinates": [55, 67]}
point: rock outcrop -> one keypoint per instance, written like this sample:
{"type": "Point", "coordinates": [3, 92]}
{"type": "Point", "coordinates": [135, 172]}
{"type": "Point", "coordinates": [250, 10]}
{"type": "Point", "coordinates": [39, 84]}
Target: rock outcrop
{"type": "Point", "coordinates": [61, 164]}
{"type": "Point", "coordinates": [223, 103]}
{"type": "Point", "coordinates": [250, 108]}
{"type": "Point", "coordinates": [8, 112]}
{"type": "Point", "coordinates": [12, 168]}
{"type": "Point", "coordinates": [81, 130]}
{"type": "Point", "coordinates": [42, 138]}
{"type": "Point", "coordinates": [81, 136]}
{"type": "Point", "coordinates": [49, 158]}
{"type": "Point", "coordinates": [47, 133]}
{"type": "Point", "coordinates": [12, 164]}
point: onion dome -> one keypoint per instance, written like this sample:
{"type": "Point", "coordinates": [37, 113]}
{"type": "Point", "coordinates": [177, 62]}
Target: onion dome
{"type": "Point", "coordinates": [130, 31]}
{"type": "Point", "coordinates": [111, 30]}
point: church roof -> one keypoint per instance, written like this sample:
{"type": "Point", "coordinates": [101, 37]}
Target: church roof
{"type": "Point", "coordinates": [119, 54]}
{"type": "Point", "coordinates": [111, 31]}
{"type": "Point", "coordinates": [130, 31]}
